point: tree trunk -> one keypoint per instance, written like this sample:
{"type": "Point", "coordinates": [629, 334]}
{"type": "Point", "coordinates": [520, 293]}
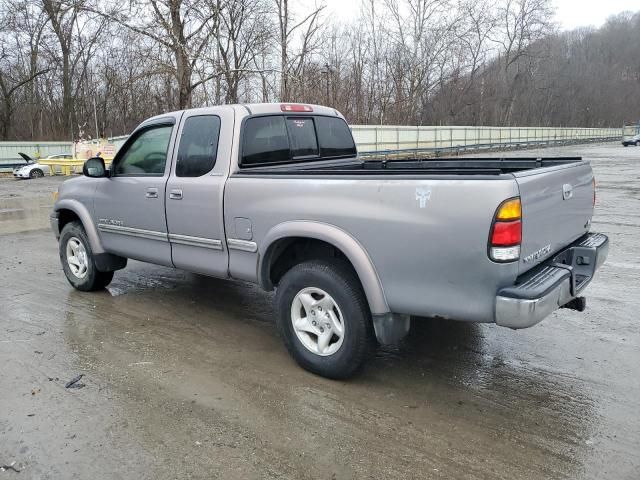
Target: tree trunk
{"type": "Point", "coordinates": [68, 108]}
{"type": "Point", "coordinates": [283, 10]}
{"type": "Point", "coordinates": [5, 118]}
{"type": "Point", "coordinates": [183, 72]}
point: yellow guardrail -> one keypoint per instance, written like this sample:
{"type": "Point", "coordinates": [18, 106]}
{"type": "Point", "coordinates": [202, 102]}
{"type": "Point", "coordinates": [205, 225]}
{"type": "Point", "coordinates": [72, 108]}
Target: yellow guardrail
{"type": "Point", "coordinates": [67, 166]}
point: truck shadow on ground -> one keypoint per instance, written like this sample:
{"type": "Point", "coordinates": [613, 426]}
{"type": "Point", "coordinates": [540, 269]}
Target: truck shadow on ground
{"type": "Point", "coordinates": [237, 316]}
{"type": "Point", "coordinates": [161, 333]}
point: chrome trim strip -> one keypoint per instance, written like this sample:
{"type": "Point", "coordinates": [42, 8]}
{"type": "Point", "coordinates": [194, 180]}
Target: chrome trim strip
{"type": "Point", "coordinates": [133, 232]}
{"type": "Point", "coordinates": [242, 245]}
{"type": "Point", "coordinates": [195, 241]}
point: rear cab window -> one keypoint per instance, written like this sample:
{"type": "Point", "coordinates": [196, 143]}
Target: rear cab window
{"type": "Point", "coordinates": [278, 139]}
{"type": "Point", "coordinates": [303, 142]}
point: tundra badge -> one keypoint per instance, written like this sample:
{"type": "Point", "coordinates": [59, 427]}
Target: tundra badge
{"type": "Point", "coordinates": [538, 254]}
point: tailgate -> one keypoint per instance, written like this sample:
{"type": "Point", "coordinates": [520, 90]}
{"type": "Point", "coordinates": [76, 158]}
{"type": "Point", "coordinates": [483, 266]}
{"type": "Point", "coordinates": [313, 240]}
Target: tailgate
{"type": "Point", "coordinates": [557, 206]}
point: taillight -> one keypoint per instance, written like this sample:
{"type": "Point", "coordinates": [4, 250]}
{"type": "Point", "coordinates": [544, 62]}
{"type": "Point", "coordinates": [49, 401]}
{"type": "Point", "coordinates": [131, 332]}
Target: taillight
{"type": "Point", "coordinates": [295, 107]}
{"type": "Point", "coordinates": [593, 184]}
{"type": "Point", "coordinates": [506, 232]}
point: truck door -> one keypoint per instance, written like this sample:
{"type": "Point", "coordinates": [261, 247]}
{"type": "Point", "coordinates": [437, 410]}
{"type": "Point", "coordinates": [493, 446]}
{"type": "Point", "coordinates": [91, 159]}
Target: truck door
{"type": "Point", "coordinates": [195, 192]}
{"type": "Point", "coordinates": [129, 206]}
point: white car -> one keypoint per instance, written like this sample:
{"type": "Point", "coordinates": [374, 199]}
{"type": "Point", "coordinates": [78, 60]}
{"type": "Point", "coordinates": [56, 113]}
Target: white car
{"type": "Point", "coordinates": [631, 140]}
{"type": "Point", "coordinates": [34, 169]}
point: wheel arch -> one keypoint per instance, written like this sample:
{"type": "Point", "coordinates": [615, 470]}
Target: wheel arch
{"type": "Point", "coordinates": [282, 237]}
{"type": "Point", "coordinates": [70, 210]}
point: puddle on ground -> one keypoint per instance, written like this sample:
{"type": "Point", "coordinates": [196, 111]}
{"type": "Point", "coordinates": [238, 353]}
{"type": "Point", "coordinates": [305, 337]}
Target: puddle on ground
{"type": "Point", "coordinates": [24, 214]}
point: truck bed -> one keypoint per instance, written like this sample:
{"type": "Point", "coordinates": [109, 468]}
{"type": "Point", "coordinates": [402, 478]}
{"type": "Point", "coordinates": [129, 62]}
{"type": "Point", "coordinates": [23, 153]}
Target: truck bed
{"type": "Point", "coordinates": [411, 166]}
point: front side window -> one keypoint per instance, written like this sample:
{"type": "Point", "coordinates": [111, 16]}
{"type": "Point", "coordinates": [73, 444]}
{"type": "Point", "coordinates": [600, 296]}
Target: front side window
{"type": "Point", "coordinates": [198, 146]}
{"type": "Point", "coordinates": [146, 155]}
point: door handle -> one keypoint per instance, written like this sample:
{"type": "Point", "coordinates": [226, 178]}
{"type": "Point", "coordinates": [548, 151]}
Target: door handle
{"type": "Point", "coordinates": [151, 193]}
{"type": "Point", "coordinates": [175, 194]}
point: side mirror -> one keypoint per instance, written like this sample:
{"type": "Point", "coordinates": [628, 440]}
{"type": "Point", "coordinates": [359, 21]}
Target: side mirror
{"type": "Point", "coordinates": [94, 168]}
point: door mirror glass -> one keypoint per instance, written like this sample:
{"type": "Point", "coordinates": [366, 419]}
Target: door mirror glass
{"type": "Point", "coordinates": [94, 168]}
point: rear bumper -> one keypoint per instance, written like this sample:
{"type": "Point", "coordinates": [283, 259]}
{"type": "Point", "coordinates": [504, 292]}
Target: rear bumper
{"type": "Point", "coordinates": [552, 284]}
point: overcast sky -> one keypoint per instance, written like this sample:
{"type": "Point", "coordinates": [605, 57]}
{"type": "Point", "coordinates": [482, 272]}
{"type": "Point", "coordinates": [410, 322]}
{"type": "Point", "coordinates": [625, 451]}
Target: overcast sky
{"type": "Point", "coordinates": [569, 13]}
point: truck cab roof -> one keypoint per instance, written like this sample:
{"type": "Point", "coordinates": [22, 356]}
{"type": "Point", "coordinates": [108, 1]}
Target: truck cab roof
{"type": "Point", "coordinates": [248, 109]}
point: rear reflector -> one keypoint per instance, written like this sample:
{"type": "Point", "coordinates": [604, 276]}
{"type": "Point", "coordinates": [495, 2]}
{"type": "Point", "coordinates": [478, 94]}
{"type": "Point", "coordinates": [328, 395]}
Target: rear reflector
{"type": "Point", "coordinates": [295, 107]}
{"type": "Point", "coordinates": [506, 232]}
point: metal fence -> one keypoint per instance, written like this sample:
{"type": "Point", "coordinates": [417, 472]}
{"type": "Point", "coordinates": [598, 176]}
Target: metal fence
{"type": "Point", "coordinates": [396, 138]}
{"type": "Point", "coordinates": [9, 151]}
{"type": "Point", "coordinates": [629, 131]}
{"type": "Point", "coordinates": [384, 140]}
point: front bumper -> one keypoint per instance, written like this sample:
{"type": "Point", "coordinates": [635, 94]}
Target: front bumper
{"type": "Point", "coordinates": [552, 284]}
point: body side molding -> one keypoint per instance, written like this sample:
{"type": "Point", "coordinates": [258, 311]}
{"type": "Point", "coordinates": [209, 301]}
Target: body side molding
{"type": "Point", "coordinates": [242, 245]}
{"type": "Point", "coordinates": [133, 232]}
{"type": "Point", "coordinates": [195, 241]}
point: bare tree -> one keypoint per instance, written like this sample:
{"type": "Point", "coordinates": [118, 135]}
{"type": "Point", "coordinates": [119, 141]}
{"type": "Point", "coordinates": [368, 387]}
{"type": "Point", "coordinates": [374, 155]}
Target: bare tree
{"type": "Point", "coordinates": [107, 66]}
{"type": "Point", "coordinates": [76, 43]}
{"type": "Point", "coordinates": [292, 60]}
{"type": "Point", "coordinates": [243, 35]}
{"type": "Point", "coordinates": [520, 23]}
{"type": "Point", "coordinates": [183, 27]}
{"type": "Point", "coordinates": [10, 82]}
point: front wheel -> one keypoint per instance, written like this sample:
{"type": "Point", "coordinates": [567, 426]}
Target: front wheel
{"type": "Point", "coordinates": [77, 260]}
{"type": "Point", "coordinates": [36, 173]}
{"type": "Point", "coordinates": [324, 318]}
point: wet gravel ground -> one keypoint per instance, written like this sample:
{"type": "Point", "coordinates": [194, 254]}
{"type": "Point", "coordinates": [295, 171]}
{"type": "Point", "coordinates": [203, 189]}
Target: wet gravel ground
{"type": "Point", "coordinates": [185, 376]}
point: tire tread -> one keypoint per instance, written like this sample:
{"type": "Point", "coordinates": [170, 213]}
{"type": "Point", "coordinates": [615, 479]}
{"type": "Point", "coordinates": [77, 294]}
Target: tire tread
{"type": "Point", "coordinates": [95, 280]}
{"type": "Point", "coordinates": [342, 276]}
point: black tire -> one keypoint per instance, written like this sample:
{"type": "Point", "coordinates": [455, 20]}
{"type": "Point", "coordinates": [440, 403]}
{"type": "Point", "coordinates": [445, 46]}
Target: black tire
{"type": "Point", "coordinates": [36, 173]}
{"type": "Point", "coordinates": [92, 280]}
{"type": "Point", "coordinates": [638, 143]}
{"type": "Point", "coordinates": [341, 283]}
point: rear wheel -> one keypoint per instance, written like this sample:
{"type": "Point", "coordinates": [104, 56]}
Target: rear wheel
{"type": "Point", "coordinates": [36, 173]}
{"type": "Point", "coordinates": [324, 318]}
{"type": "Point", "coordinates": [637, 143]}
{"type": "Point", "coordinates": [77, 260]}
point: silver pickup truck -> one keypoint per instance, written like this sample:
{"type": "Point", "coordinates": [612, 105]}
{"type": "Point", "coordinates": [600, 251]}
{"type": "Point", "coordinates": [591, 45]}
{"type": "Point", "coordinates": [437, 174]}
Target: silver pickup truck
{"type": "Point", "coordinates": [276, 194]}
